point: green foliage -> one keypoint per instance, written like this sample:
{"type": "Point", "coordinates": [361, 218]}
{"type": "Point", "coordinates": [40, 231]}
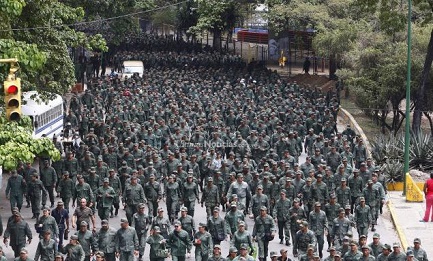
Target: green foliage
{"type": "Point", "coordinates": [17, 144]}
{"type": "Point", "coordinates": [389, 149]}
{"type": "Point", "coordinates": [42, 42]}
{"type": "Point", "coordinates": [216, 16]}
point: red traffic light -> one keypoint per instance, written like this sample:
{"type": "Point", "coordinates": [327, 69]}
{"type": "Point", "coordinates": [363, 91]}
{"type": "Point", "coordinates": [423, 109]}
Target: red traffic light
{"type": "Point", "coordinates": [12, 89]}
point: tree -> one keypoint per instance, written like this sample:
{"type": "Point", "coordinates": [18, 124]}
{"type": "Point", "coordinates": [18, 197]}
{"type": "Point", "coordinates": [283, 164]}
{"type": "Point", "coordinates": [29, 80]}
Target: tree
{"type": "Point", "coordinates": [216, 16]}
{"type": "Point", "coordinates": [44, 61]}
{"type": "Point", "coordinates": [18, 145]}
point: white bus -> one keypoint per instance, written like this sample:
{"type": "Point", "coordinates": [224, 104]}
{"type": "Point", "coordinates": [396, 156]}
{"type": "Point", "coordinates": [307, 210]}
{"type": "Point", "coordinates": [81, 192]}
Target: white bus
{"type": "Point", "coordinates": [47, 117]}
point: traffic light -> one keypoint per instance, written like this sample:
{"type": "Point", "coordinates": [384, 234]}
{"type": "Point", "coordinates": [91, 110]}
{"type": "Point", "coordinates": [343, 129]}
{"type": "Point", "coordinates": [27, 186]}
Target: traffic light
{"type": "Point", "coordinates": [13, 99]}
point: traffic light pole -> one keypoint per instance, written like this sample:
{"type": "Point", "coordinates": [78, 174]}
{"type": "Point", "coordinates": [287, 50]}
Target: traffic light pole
{"type": "Point", "coordinates": [12, 91]}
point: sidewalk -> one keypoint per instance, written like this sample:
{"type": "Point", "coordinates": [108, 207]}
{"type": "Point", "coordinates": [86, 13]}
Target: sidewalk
{"type": "Point", "coordinates": [406, 217]}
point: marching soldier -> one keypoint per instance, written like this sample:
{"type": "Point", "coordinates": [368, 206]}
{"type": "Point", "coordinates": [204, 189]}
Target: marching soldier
{"type": "Point", "coordinates": [242, 190]}
{"type": "Point", "coordinates": [419, 253]}
{"type": "Point", "coordinates": [66, 189]}
{"type": "Point", "coordinates": [140, 222]}
{"type": "Point", "coordinates": [83, 191]}
{"type": "Point", "coordinates": [35, 190]}
{"type": "Point", "coordinates": [86, 240]}
{"type": "Point", "coordinates": [49, 180]}
{"type": "Point", "coordinates": [210, 196]}
{"type": "Point", "coordinates": [126, 241]}
{"type": "Point", "coordinates": [16, 233]}
{"type": "Point", "coordinates": [190, 194]}
{"type": "Point", "coordinates": [162, 222]}
{"type": "Point", "coordinates": [242, 236]}
{"type": "Point", "coordinates": [363, 217]}
{"type": "Point", "coordinates": [203, 243]}
{"type": "Point", "coordinates": [179, 243]}
{"type": "Point", "coordinates": [318, 223]}
{"type": "Point", "coordinates": [132, 197]}
{"type": "Point", "coordinates": [376, 246]}
{"type": "Point", "coordinates": [187, 222]}
{"type": "Point", "coordinates": [372, 199]}
{"type": "Point", "coordinates": [152, 191]}
{"type": "Point", "coordinates": [117, 186]}
{"type": "Point", "coordinates": [173, 195]}
{"type": "Point", "coordinates": [297, 215]}
{"type": "Point", "coordinates": [281, 214]}
{"type": "Point", "coordinates": [156, 242]}
{"type": "Point", "coordinates": [105, 238]}
{"type": "Point", "coordinates": [105, 197]}
{"type": "Point", "coordinates": [304, 238]}
{"type": "Point", "coordinates": [74, 250]}
{"type": "Point", "coordinates": [331, 210]}
{"type": "Point", "coordinates": [341, 225]}
{"type": "Point", "coordinates": [15, 190]}
{"type": "Point", "coordinates": [258, 201]}
{"type": "Point", "coordinates": [216, 227]}
{"type": "Point", "coordinates": [263, 232]}
{"type": "Point", "coordinates": [233, 218]}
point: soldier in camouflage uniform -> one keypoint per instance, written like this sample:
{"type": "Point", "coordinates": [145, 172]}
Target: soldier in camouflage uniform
{"type": "Point", "coordinates": [132, 197]}
{"type": "Point", "coordinates": [105, 196]}
{"type": "Point", "coordinates": [35, 189]}
{"type": "Point", "coordinates": [15, 189]}
{"type": "Point", "coordinates": [216, 227]}
{"type": "Point", "coordinates": [66, 189]}
{"type": "Point", "coordinates": [259, 200]}
{"type": "Point", "coordinates": [83, 190]}
{"type": "Point", "coordinates": [105, 239]}
{"type": "Point", "coordinates": [376, 246]}
{"type": "Point", "coordinates": [117, 186]}
{"type": "Point", "coordinates": [190, 194]}
{"type": "Point", "coordinates": [173, 193]}
{"type": "Point", "coordinates": [340, 227]}
{"type": "Point", "coordinates": [187, 222]}
{"type": "Point", "coordinates": [281, 214]}
{"type": "Point", "coordinates": [318, 224]}
{"type": "Point", "coordinates": [73, 250]}
{"type": "Point", "coordinates": [363, 217]}
{"type": "Point", "coordinates": [162, 222]}
{"type": "Point", "coordinates": [372, 197]}
{"type": "Point", "coordinates": [127, 242]}
{"type": "Point", "coordinates": [49, 180]}
{"type": "Point", "coordinates": [304, 238]}
{"type": "Point", "coordinates": [353, 254]}
{"type": "Point", "coordinates": [152, 191]}
{"type": "Point", "coordinates": [419, 253]}
{"type": "Point", "coordinates": [242, 236]}
{"type": "Point", "coordinates": [210, 197]}
{"type": "Point", "coordinates": [356, 186]}
{"type": "Point", "coordinates": [263, 232]}
{"type": "Point", "coordinates": [179, 243]}
{"type": "Point", "coordinates": [203, 243]}
{"type": "Point", "coordinates": [141, 222]}
{"type": "Point", "coordinates": [233, 218]}
{"type": "Point", "coordinates": [331, 210]}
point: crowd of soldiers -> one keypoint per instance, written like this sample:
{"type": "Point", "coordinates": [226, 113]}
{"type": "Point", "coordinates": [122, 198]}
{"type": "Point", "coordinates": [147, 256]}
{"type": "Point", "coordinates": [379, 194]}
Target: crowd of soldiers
{"type": "Point", "coordinates": [202, 128]}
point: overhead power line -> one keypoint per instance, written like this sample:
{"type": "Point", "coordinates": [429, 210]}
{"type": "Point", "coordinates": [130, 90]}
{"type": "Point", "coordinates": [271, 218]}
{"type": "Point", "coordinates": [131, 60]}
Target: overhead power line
{"type": "Point", "coordinates": [94, 21]}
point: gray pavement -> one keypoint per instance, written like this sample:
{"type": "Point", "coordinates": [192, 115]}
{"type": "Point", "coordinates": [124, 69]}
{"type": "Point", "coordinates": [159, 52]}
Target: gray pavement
{"type": "Point", "coordinates": [407, 216]}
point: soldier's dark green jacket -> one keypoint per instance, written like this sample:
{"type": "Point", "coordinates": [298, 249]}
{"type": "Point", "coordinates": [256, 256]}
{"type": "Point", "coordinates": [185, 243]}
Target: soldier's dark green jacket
{"type": "Point", "coordinates": [45, 250]}
{"type": "Point", "coordinates": [179, 243]}
{"type": "Point", "coordinates": [48, 176]}
{"type": "Point", "coordinates": [105, 239]}
{"type": "Point", "coordinates": [126, 240]}
{"type": "Point", "coordinates": [74, 252]}
{"type": "Point", "coordinates": [87, 241]}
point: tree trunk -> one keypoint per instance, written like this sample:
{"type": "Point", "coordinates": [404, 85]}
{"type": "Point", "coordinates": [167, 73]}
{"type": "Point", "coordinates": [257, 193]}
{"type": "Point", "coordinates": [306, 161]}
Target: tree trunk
{"type": "Point", "coordinates": [419, 98]}
{"type": "Point", "coordinates": [332, 66]}
{"type": "Point", "coordinates": [217, 40]}
{"type": "Point", "coordinates": [430, 121]}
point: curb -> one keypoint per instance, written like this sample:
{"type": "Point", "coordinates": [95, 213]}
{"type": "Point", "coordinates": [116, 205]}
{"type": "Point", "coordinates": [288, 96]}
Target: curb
{"type": "Point", "coordinates": [397, 226]}
{"type": "Point", "coordinates": [349, 118]}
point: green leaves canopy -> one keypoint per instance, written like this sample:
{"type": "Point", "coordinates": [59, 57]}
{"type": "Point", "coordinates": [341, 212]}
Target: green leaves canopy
{"type": "Point", "coordinates": [18, 145]}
